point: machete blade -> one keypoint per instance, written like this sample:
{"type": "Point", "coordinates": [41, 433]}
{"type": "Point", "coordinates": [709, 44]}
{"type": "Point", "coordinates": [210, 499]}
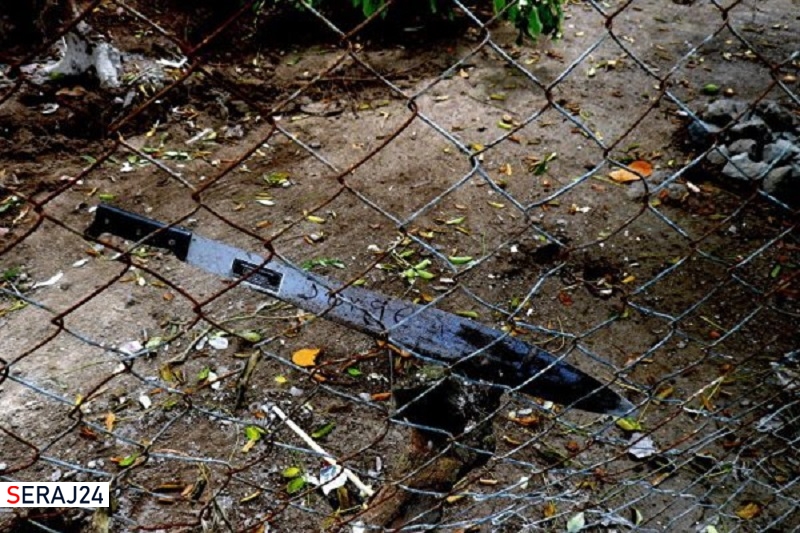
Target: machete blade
{"type": "Point", "coordinates": [470, 348]}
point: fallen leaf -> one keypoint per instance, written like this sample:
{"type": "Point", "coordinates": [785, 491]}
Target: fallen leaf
{"type": "Point", "coordinates": [88, 433]}
{"type": "Point", "coordinates": [291, 472]}
{"type": "Point", "coordinates": [253, 432]}
{"type": "Point", "coordinates": [664, 392]}
{"type": "Point", "coordinates": [110, 419]}
{"type": "Point", "coordinates": [323, 431]}
{"type": "Point", "coordinates": [642, 167]}
{"type": "Point", "coordinates": [628, 424]}
{"type": "Point", "coordinates": [531, 420]}
{"type": "Point", "coordinates": [129, 460]}
{"type": "Point", "coordinates": [306, 357]}
{"type": "Point", "coordinates": [248, 446]}
{"type": "Point", "coordinates": [749, 511]}
{"type": "Point", "coordinates": [622, 175]}
{"type": "Point", "coordinates": [565, 298]}
{"type": "Point", "coordinates": [380, 396]}
{"type": "Point", "coordinates": [295, 485]}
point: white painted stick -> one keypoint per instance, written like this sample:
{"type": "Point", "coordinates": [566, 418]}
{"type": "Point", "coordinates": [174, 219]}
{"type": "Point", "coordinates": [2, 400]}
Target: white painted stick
{"type": "Point", "coordinates": [365, 489]}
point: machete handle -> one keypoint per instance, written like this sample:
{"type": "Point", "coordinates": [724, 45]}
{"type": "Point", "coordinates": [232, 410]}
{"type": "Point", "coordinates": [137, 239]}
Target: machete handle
{"type": "Point", "coordinates": [134, 227]}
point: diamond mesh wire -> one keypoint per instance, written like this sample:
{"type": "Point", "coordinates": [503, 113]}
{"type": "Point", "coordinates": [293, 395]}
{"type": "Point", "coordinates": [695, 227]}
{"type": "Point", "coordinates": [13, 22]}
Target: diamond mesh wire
{"type": "Point", "coordinates": [552, 190]}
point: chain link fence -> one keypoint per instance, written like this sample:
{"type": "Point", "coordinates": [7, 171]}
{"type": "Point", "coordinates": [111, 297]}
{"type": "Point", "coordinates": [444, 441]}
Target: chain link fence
{"type": "Point", "coordinates": [623, 198]}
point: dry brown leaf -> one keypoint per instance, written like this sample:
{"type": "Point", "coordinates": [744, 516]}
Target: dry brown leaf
{"type": "Point", "coordinates": [642, 167]}
{"type": "Point", "coordinates": [622, 175]}
{"type": "Point", "coordinates": [549, 510]}
{"type": "Point", "coordinates": [306, 357]}
{"type": "Point", "coordinates": [527, 421]}
{"type": "Point", "coordinates": [665, 392]}
{"type": "Point", "coordinates": [110, 419]}
{"type": "Point", "coordinates": [381, 396]}
{"type": "Point", "coordinates": [749, 511]}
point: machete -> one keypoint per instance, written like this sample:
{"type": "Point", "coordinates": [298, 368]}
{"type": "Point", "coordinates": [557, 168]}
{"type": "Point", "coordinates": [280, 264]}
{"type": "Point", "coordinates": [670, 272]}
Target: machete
{"type": "Point", "coordinates": [471, 349]}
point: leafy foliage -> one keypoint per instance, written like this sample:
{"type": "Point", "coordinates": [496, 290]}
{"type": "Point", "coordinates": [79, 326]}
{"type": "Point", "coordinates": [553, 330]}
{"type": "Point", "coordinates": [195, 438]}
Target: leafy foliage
{"type": "Point", "coordinates": [531, 17]}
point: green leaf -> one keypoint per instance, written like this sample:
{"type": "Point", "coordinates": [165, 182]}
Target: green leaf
{"type": "Point", "coordinates": [9, 202]}
{"type": "Point", "coordinates": [424, 274]}
{"type": "Point", "coordinates": [534, 27]}
{"type": "Point", "coordinates": [629, 424]}
{"type": "Point", "coordinates": [295, 485]}
{"type": "Point", "coordinates": [292, 472]}
{"type": "Point", "coordinates": [253, 433]}
{"type": "Point", "coordinates": [276, 179]}
{"type": "Point", "coordinates": [322, 262]}
{"type": "Point", "coordinates": [153, 342]}
{"type": "Point", "coordinates": [323, 431]}
{"type": "Point", "coordinates": [249, 335]}
{"type": "Point", "coordinates": [129, 460]}
{"type": "Point", "coordinates": [354, 372]}
{"type": "Point", "coordinates": [10, 274]}
{"type": "Point", "coordinates": [460, 260]}
{"type": "Point", "coordinates": [369, 7]}
{"type": "Point", "coordinates": [203, 374]}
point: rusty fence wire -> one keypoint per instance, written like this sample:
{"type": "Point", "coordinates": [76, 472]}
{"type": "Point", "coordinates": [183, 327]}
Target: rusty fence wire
{"type": "Point", "coordinates": [623, 197]}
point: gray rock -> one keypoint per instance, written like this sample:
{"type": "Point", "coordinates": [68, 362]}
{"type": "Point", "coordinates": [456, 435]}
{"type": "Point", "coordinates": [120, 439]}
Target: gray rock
{"type": "Point", "coordinates": [780, 151]}
{"type": "Point", "coordinates": [776, 180]}
{"type": "Point", "coordinates": [636, 190]}
{"type": "Point", "coordinates": [718, 156]}
{"type": "Point", "coordinates": [776, 116]}
{"type": "Point", "coordinates": [722, 112]}
{"type": "Point", "coordinates": [658, 177]}
{"type": "Point", "coordinates": [676, 192]}
{"type": "Point", "coordinates": [752, 128]}
{"type": "Point", "coordinates": [784, 184]}
{"type": "Point", "coordinates": [702, 133]}
{"type": "Point", "coordinates": [744, 146]}
{"type": "Point", "coordinates": [741, 167]}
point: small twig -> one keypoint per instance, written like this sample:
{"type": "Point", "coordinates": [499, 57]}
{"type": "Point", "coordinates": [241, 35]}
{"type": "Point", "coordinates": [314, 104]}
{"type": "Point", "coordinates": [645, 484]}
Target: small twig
{"type": "Point", "coordinates": [184, 356]}
{"type": "Point", "coordinates": [244, 378]}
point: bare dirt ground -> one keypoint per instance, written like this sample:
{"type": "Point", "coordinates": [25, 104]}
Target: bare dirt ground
{"type": "Point", "coordinates": [466, 147]}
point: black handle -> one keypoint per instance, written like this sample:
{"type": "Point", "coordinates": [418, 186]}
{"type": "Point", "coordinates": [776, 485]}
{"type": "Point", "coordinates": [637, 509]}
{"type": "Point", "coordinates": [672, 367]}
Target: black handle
{"type": "Point", "coordinates": [133, 227]}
